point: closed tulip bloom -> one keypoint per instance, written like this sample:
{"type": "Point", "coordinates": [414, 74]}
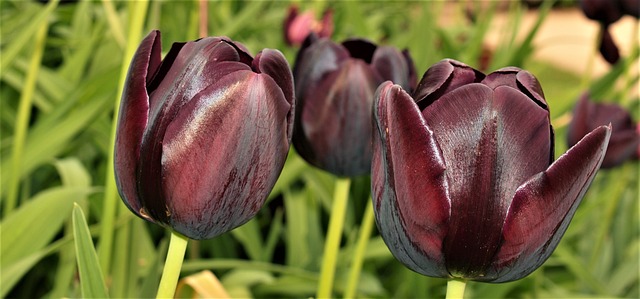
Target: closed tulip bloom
{"type": "Point", "coordinates": [463, 179]}
{"type": "Point", "coordinates": [624, 144]}
{"type": "Point", "coordinates": [203, 134]}
{"type": "Point", "coordinates": [335, 84]}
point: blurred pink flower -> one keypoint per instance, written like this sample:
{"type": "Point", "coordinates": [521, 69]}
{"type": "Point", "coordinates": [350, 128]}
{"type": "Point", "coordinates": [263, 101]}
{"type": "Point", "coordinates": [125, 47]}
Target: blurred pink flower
{"type": "Point", "coordinates": [298, 26]}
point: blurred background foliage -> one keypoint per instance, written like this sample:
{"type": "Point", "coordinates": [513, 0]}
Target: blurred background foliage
{"type": "Point", "coordinates": [61, 64]}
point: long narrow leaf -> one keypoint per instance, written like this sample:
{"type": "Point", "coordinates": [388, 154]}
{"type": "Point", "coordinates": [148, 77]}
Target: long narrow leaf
{"type": "Point", "coordinates": [91, 280]}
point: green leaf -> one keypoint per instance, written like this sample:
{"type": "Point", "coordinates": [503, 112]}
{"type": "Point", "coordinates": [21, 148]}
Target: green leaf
{"type": "Point", "coordinates": [91, 280]}
{"type": "Point", "coordinates": [27, 230]}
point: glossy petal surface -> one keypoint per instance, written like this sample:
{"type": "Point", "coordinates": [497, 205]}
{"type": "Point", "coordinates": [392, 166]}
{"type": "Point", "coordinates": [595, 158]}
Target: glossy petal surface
{"type": "Point", "coordinates": [132, 118]}
{"type": "Point", "coordinates": [482, 143]}
{"type": "Point", "coordinates": [532, 229]}
{"type": "Point", "coordinates": [408, 183]}
{"type": "Point", "coordinates": [241, 118]}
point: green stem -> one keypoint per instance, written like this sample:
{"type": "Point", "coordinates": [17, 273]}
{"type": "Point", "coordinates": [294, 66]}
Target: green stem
{"type": "Point", "coordinates": [361, 246]}
{"type": "Point", "coordinates": [332, 244]}
{"type": "Point", "coordinates": [172, 266]}
{"type": "Point", "coordinates": [455, 288]}
{"type": "Point", "coordinates": [138, 11]}
{"type": "Point", "coordinates": [24, 114]}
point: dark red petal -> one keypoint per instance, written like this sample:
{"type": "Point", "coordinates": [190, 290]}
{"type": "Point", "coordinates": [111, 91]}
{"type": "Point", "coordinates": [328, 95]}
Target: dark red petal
{"type": "Point", "coordinates": [197, 66]}
{"type": "Point", "coordinates": [291, 16]}
{"type": "Point", "coordinates": [413, 76]}
{"type": "Point", "coordinates": [409, 190]}
{"type": "Point", "coordinates": [544, 205]}
{"type": "Point", "coordinates": [334, 124]}
{"type": "Point", "coordinates": [132, 118]}
{"type": "Point", "coordinates": [393, 66]}
{"type": "Point", "coordinates": [326, 24]}
{"type": "Point", "coordinates": [223, 153]}
{"type": "Point", "coordinates": [492, 141]}
{"type": "Point", "coordinates": [314, 62]}
{"type": "Point", "coordinates": [273, 63]}
{"type": "Point", "coordinates": [608, 47]}
{"type": "Point", "coordinates": [444, 77]}
{"type": "Point", "coordinates": [530, 85]}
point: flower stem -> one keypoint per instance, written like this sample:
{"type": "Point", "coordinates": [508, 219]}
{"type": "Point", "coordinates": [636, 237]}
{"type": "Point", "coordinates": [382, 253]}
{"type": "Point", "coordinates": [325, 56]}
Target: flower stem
{"type": "Point", "coordinates": [332, 243]}
{"type": "Point", "coordinates": [172, 266]}
{"type": "Point", "coordinates": [358, 256]}
{"type": "Point", "coordinates": [455, 289]}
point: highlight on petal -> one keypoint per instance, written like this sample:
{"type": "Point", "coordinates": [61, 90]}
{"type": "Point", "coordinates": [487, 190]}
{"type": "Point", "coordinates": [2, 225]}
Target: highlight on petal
{"type": "Point", "coordinates": [408, 181]}
{"type": "Point", "coordinates": [132, 118]}
{"type": "Point", "coordinates": [241, 118]}
{"type": "Point", "coordinates": [444, 77]}
{"type": "Point", "coordinates": [544, 205]}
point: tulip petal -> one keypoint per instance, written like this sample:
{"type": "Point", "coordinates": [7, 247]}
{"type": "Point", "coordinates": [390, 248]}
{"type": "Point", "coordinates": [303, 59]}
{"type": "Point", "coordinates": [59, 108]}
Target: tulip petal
{"type": "Point", "coordinates": [485, 162]}
{"type": "Point", "coordinates": [274, 64]}
{"type": "Point", "coordinates": [197, 67]}
{"type": "Point", "coordinates": [518, 79]}
{"type": "Point", "coordinates": [337, 111]}
{"type": "Point", "coordinates": [132, 118]}
{"type": "Point", "coordinates": [392, 65]}
{"type": "Point", "coordinates": [314, 62]}
{"type": "Point", "coordinates": [409, 189]}
{"type": "Point", "coordinates": [608, 47]}
{"type": "Point", "coordinates": [444, 77]}
{"type": "Point", "coordinates": [544, 205]}
{"type": "Point", "coordinates": [223, 153]}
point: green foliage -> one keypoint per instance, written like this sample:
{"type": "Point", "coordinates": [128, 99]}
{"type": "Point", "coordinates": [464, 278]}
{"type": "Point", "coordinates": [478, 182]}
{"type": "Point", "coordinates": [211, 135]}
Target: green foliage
{"type": "Point", "coordinates": [65, 158]}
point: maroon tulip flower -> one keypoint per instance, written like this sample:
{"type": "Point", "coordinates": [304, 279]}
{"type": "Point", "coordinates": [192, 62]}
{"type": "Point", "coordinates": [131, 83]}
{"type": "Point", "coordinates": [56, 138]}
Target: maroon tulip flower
{"type": "Point", "coordinates": [335, 84]}
{"type": "Point", "coordinates": [298, 26]}
{"type": "Point", "coordinates": [624, 144]}
{"type": "Point", "coordinates": [463, 179]}
{"type": "Point", "coordinates": [203, 134]}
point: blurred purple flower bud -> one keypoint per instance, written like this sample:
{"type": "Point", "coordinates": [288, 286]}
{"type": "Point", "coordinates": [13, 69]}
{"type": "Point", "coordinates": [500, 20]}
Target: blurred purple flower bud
{"type": "Point", "coordinates": [624, 144]}
{"type": "Point", "coordinates": [335, 84]}
{"type": "Point", "coordinates": [463, 179]}
{"type": "Point", "coordinates": [203, 134]}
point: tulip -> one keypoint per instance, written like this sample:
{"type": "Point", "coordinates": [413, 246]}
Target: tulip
{"type": "Point", "coordinates": [607, 12]}
{"type": "Point", "coordinates": [298, 26]}
{"type": "Point", "coordinates": [335, 84]}
{"type": "Point", "coordinates": [624, 144]}
{"type": "Point", "coordinates": [203, 134]}
{"type": "Point", "coordinates": [463, 179]}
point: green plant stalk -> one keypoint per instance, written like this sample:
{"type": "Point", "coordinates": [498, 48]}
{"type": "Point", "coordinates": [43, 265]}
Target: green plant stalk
{"type": "Point", "coordinates": [332, 243]}
{"type": "Point", "coordinates": [455, 288]}
{"type": "Point", "coordinates": [114, 22]}
{"type": "Point", "coordinates": [172, 265]}
{"type": "Point", "coordinates": [24, 114]}
{"type": "Point", "coordinates": [138, 11]}
{"type": "Point", "coordinates": [358, 256]}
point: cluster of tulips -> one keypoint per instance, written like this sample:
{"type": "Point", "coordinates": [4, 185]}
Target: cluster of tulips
{"type": "Point", "coordinates": [463, 177]}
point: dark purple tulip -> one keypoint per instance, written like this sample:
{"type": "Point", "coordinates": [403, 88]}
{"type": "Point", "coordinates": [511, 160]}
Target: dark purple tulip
{"type": "Point", "coordinates": [335, 84]}
{"type": "Point", "coordinates": [297, 26]}
{"type": "Point", "coordinates": [607, 12]}
{"type": "Point", "coordinates": [463, 179]}
{"type": "Point", "coordinates": [203, 134]}
{"type": "Point", "coordinates": [624, 144]}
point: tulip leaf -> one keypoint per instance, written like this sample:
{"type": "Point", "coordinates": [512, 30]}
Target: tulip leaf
{"type": "Point", "coordinates": [11, 51]}
{"type": "Point", "coordinates": [248, 235]}
{"type": "Point", "coordinates": [91, 281]}
{"type": "Point", "coordinates": [26, 231]}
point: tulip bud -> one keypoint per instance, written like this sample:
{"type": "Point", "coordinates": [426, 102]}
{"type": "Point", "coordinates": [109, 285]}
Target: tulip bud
{"type": "Point", "coordinates": [203, 134]}
{"type": "Point", "coordinates": [463, 179]}
{"type": "Point", "coordinates": [298, 26]}
{"type": "Point", "coordinates": [624, 144]}
{"type": "Point", "coordinates": [335, 84]}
